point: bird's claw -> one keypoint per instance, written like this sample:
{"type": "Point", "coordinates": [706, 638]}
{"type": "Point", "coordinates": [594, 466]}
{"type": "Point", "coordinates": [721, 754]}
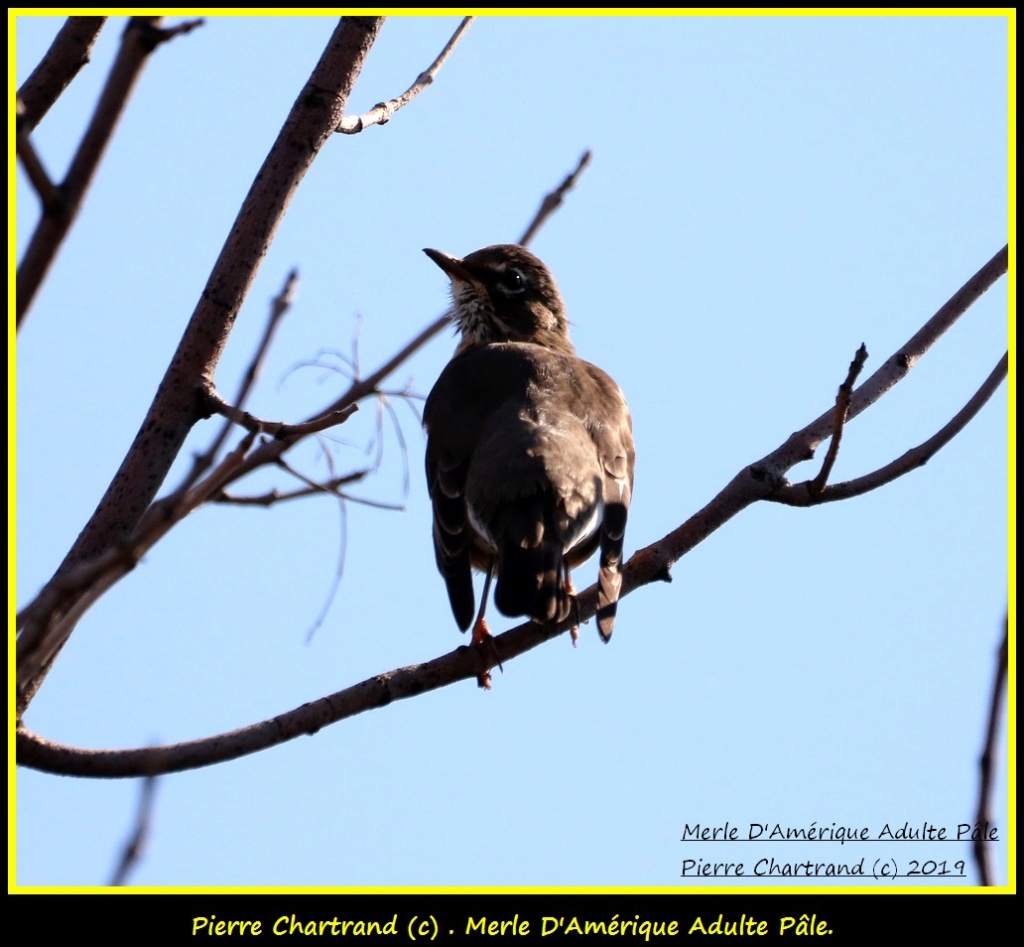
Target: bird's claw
{"type": "Point", "coordinates": [482, 637]}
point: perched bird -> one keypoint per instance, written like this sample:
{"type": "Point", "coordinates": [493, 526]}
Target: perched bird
{"type": "Point", "coordinates": [529, 448]}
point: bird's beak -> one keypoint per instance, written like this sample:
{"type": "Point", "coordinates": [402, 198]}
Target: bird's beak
{"type": "Point", "coordinates": [450, 264]}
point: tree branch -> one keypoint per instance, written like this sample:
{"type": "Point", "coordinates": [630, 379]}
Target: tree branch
{"type": "Point", "coordinates": [842, 409]}
{"type": "Point", "coordinates": [803, 494]}
{"type": "Point", "coordinates": [802, 444]}
{"type": "Point", "coordinates": [383, 112]}
{"type": "Point", "coordinates": [234, 414]}
{"type": "Point", "coordinates": [279, 305]}
{"type": "Point", "coordinates": [653, 563]}
{"type": "Point", "coordinates": [178, 403]}
{"type": "Point", "coordinates": [141, 37]}
{"type": "Point", "coordinates": [279, 496]}
{"type": "Point", "coordinates": [553, 200]}
{"type": "Point", "coordinates": [38, 176]}
{"type": "Point", "coordinates": [983, 816]}
{"type": "Point", "coordinates": [134, 847]}
{"type": "Point", "coordinates": [70, 50]}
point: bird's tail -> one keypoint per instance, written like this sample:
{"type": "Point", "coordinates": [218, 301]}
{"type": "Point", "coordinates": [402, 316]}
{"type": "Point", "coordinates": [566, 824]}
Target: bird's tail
{"type": "Point", "coordinates": [531, 571]}
{"type": "Point", "coordinates": [609, 581]}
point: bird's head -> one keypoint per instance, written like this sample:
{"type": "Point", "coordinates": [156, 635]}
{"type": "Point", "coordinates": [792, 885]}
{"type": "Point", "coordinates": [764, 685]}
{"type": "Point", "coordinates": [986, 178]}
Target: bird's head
{"type": "Point", "coordinates": [504, 294]}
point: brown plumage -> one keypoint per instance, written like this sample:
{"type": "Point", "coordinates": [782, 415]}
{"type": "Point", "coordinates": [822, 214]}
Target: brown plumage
{"type": "Point", "coordinates": [529, 450]}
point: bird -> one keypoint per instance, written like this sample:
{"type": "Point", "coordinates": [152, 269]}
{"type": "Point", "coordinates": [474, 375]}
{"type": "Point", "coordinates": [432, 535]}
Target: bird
{"type": "Point", "coordinates": [530, 455]}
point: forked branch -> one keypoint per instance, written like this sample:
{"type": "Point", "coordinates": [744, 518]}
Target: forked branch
{"type": "Point", "coordinates": [383, 112]}
{"type": "Point", "coordinates": [141, 37]}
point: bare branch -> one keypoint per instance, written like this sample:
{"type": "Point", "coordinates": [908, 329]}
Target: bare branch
{"type": "Point", "coordinates": [170, 32]}
{"type": "Point", "coordinates": [48, 620]}
{"type": "Point", "coordinates": [802, 494]}
{"type": "Point", "coordinates": [462, 664]}
{"type": "Point", "coordinates": [279, 496]}
{"type": "Point", "coordinates": [339, 572]}
{"type": "Point", "coordinates": [137, 841]}
{"type": "Point", "coordinates": [179, 400]}
{"type": "Point", "coordinates": [553, 200]}
{"type": "Point", "coordinates": [987, 763]}
{"type": "Point", "coordinates": [842, 409]}
{"type": "Point", "coordinates": [57, 593]}
{"type": "Point", "coordinates": [311, 484]}
{"type": "Point", "coordinates": [38, 176]}
{"type": "Point", "coordinates": [70, 50]}
{"type": "Point", "coordinates": [281, 430]}
{"type": "Point", "coordinates": [385, 402]}
{"type": "Point", "coordinates": [375, 504]}
{"type": "Point", "coordinates": [279, 305]}
{"type": "Point", "coordinates": [141, 37]}
{"type": "Point", "coordinates": [292, 432]}
{"type": "Point", "coordinates": [383, 112]}
{"type": "Point", "coordinates": [94, 577]}
{"type": "Point", "coordinates": [179, 403]}
{"type": "Point", "coordinates": [653, 563]}
{"type": "Point", "coordinates": [896, 367]}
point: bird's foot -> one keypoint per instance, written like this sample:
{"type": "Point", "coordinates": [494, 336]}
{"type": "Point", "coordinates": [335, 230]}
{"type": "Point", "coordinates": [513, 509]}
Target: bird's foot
{"type": "Point", "coordinates": [481, 632]}
{"type": "Point", "coordinates": [574, 608]}
{"type": "Point", "coordinates": [482, 637]}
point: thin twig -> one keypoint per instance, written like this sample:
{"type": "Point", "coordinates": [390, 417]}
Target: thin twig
{"type": "Point", "coordinates": [279, 496]}
{"type": "Point", "coordinates": [842, 409]}
{"type": "Point", "coordinates": [983, 817]}
{"type": "Point", "coordinates": [896, 367]}
{"type": "Point", "coordinates": [339, 573]}
{"type": "Point", "coordinates": [170, 32]}
{"type": "Point", "coordinates": [279, 305]}
{"type": "Point", "coordinates": [382, 113]}
{"type": "Point", "coordinates": [308, 481]}
{"type": "Point", "coordinates": [234, 413]}
{"type": "Point", "coordinates": [402, 446]}
{"type": "Point", "coordinates": [801, 494]}
{"type": "Point", "coordinates": [133, 849]}
{"type": "Point", "coordinates": [279, 430]}
{"type": "Point", "coordinates": [553, 200]}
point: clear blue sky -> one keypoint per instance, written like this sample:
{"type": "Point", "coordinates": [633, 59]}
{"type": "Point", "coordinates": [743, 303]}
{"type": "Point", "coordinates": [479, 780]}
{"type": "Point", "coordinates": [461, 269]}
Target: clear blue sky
{"type": "Point", "coordinates": [765, 194]}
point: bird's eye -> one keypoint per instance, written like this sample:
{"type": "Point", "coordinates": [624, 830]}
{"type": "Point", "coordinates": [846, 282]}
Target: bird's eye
{"type": "Point", "coordinates": [512, 282]}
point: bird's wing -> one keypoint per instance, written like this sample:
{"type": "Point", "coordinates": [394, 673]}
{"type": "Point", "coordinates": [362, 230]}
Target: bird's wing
{"type": "Point", "coordinates": [447, 460]}
{"type": "Point", "coordinates": [460, 409]}
{"type": "Point", "coordinates": [611, 429]}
